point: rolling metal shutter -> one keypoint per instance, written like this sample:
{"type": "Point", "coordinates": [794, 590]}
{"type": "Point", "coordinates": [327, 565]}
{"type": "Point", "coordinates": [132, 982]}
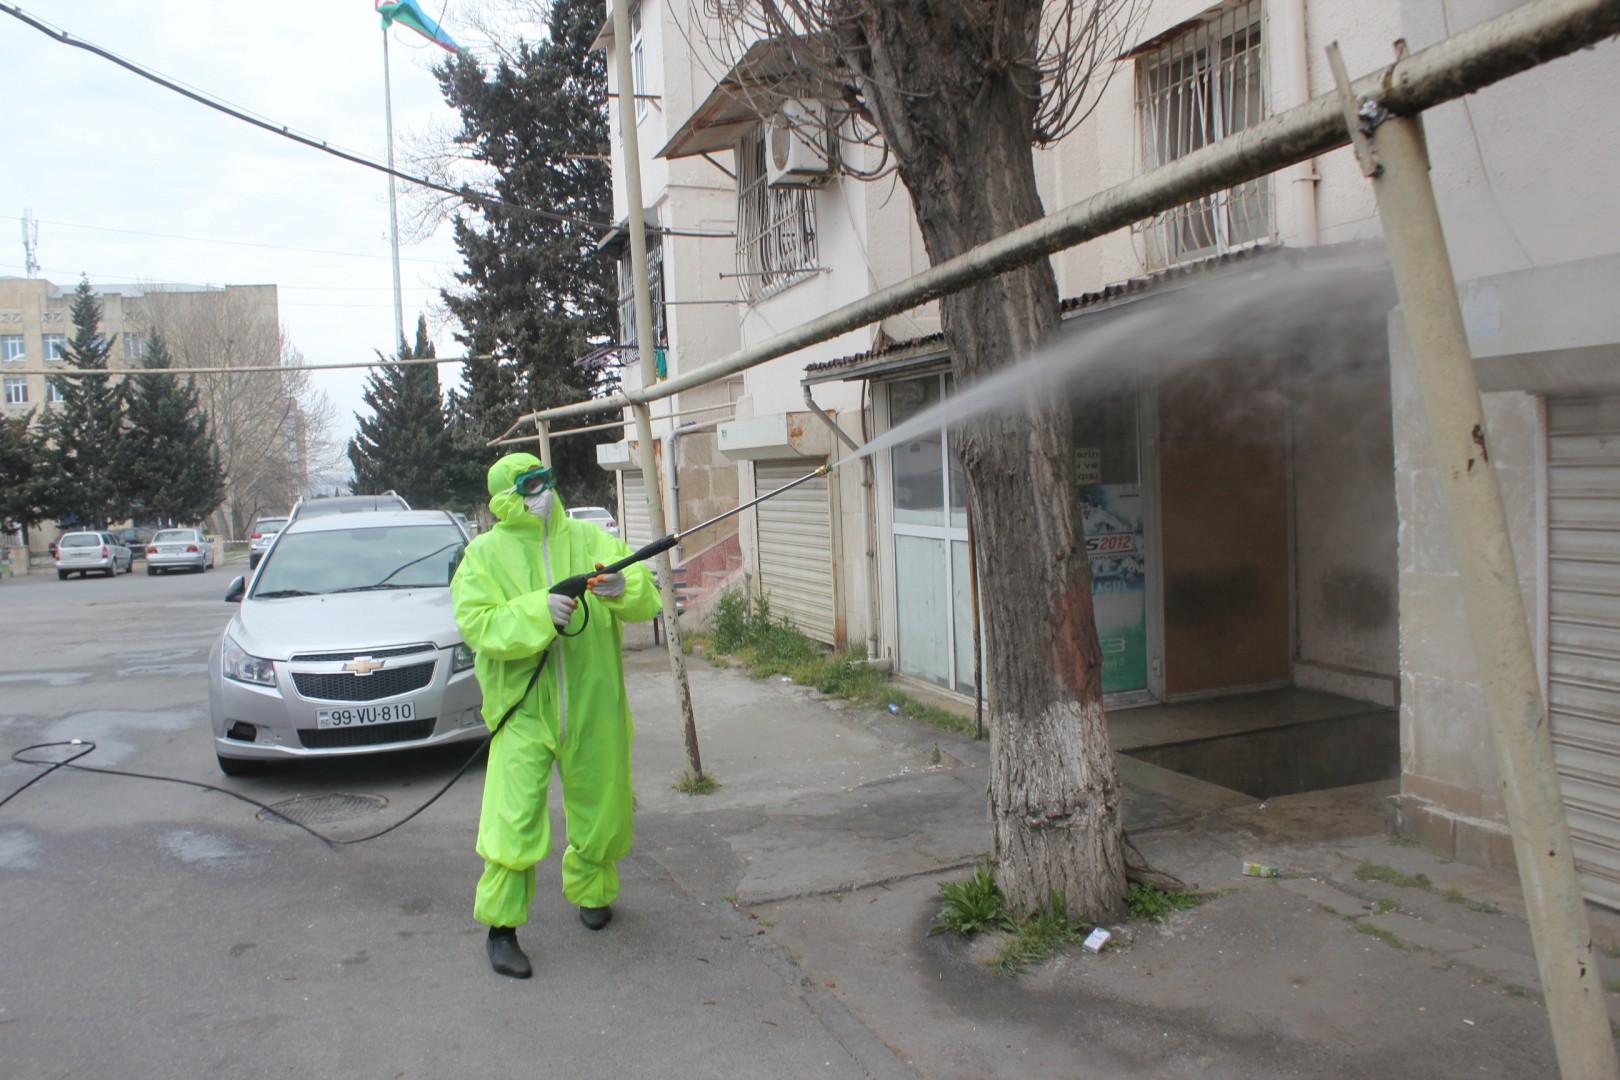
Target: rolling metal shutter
{"type": "Point", "coordinates": [795, 547]}
{"type": "Point", "coordinates": [1583, 660]}
{"type": "Point", "coordinates": [634, 515]}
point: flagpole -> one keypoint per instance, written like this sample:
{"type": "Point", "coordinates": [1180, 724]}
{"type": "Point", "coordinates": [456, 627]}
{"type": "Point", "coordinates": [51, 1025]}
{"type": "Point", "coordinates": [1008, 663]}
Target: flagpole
{"type": "Point", "coordinates": [393, 206]}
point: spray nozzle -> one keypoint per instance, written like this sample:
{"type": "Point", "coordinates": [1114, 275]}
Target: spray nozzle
{"type": "Point", "coordinates": [825, 469]}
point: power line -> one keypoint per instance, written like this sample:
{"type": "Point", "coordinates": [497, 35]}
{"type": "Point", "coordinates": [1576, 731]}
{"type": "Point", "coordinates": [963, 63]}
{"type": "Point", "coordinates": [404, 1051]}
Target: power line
{"type": "Point", "coordinates": [464, 193]}
{"type": "Point", "coordinates": [213, 240]}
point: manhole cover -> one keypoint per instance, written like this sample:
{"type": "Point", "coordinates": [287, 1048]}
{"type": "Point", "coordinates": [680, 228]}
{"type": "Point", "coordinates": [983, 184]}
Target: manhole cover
{"type": "Point", "coordinates": [324, 809]}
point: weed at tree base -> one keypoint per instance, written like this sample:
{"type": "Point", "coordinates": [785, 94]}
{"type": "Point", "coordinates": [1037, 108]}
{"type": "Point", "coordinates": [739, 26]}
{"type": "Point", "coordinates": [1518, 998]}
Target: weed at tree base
{"type": "Point", "coordinates": [1155, 905]}
{"type": "Point", "coordinates": [696, 785]}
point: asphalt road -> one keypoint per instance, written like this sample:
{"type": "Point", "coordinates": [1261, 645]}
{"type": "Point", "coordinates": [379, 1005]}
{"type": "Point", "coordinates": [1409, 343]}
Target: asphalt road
{"type": "Point", "coordinates": [159, 930]}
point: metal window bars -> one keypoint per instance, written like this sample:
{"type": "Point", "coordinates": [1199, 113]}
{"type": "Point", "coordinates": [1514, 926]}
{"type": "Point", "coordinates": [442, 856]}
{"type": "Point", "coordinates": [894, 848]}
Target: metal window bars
{"type": "Point", "coordinates": [776, 227]}
{"type": "Point", "coordinates": [655, 285]}
{"type": "Point", "coordinates": [1197, 88]}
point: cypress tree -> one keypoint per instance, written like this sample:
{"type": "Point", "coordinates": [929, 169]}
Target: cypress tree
{"type": "Point", "coordinates": [536, 294]}
{"type": "Point", "coordinates": [85, 430]}
{"type": "Point", "coordinates": [170, 460]}
{"type": "Point", "coordinates": [403, 445]}
{"type": "Point", "coordinates": [24, 479]}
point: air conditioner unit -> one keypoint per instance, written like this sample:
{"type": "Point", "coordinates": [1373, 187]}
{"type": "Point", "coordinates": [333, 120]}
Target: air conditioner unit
{"type": "Point", "coordinates": [798, 145]}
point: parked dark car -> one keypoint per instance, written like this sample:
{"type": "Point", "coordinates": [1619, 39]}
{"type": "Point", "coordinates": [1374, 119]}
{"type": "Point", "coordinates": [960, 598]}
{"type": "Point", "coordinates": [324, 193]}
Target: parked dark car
{"type": "Point", "coordinates": [134, 537]}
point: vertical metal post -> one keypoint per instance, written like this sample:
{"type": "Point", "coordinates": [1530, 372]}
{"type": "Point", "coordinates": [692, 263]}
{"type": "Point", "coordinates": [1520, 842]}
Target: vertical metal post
{"type": "Point", "coordinates": [1393, 153]}
{"type": "Point", "coordinates": [630, 155]}
{"type": "Point", "coordinates": [542, 435]}
{"type": "Point", "coordinates": [393, 210]}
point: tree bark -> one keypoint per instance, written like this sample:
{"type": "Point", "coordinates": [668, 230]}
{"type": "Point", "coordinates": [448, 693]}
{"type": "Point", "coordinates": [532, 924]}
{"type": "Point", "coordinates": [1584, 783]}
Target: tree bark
{"type": "Point", "coordinates": [958, 116]}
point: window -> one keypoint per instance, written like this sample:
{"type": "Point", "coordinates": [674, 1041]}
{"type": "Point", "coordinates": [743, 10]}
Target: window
{"type": "Point", "coordinates": [655, 286]}
{"type": "Point", "coordinates": [776, 227]}
{"type": "Point", "coordinates": [134, 346]}
{"type": "Point", "coordinates": [53, 392]}
{"type": "Point", "coordinates": [11, 348]}
{"type": "Point", "coordinates": [16, 391]}
{"type": "Point", "coordinates": [53, 344]}
{"type": "Point", "coordinates": [638, 63]}
{"type": "Point", "coordinates": [1197, 88]}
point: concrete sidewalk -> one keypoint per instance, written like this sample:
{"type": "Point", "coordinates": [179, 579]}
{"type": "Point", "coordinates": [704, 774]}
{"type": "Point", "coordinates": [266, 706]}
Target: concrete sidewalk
{"type": "Point", "coordinates": [834, 828]}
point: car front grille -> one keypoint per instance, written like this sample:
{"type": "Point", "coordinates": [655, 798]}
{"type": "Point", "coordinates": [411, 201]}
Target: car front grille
{"type": "Point", "coordinates": [375, 654]}
{"type": "Point", "coordinates": [343, 686]}
{"type": "Point", "coordinates": [370, 735]}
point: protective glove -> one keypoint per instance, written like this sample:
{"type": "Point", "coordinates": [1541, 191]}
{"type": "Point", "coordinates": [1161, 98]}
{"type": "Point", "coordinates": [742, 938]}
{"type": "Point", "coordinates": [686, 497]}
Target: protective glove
{"type": "Point", "coordinates": [609, 586]}
{"type": "Point", "coordinates": [562, 609]}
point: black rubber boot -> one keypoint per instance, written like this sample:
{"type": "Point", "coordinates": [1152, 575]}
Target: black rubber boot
{"type": "Point", "coordinates": [595, 918]}
{"type": "Point", "coordinates": [505, 954]}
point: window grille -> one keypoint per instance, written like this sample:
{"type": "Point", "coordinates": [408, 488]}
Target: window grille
{"type": "Point", "coordinates": [16, 391]}
{"type": "Point", "coordinates": [776, 227]}
{"type": "Point", "coordinates": [627, 295]}
{"type": "Point", "coordinates": [12, 349]}
{"type": "Point", "coordinates": [1195, 89]}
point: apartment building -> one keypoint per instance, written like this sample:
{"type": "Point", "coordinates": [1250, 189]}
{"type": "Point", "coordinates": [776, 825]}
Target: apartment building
{"type": "Point", "coordinates": [1265, 524]}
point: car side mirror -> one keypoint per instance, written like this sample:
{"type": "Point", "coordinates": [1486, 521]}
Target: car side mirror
{"type": "Point", "coordinates": [238, 589]}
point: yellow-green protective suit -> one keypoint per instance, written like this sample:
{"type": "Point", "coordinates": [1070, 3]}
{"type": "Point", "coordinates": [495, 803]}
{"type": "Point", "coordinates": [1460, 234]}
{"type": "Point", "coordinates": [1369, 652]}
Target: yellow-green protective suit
{"type": "Point", "coordinates": [575, 714]}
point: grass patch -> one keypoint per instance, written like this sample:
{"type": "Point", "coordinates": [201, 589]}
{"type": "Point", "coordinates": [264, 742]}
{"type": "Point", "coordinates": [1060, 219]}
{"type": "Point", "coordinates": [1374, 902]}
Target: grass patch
{"type": "Point", "coordinates": [1155, 904]}
{"type": "Point", "coordinates": [1456, 896]}
{"type": "Point", "coordinates": [767, 645]}
{"type": "Point", "coordinates": [1383, 904]}
{"type": "Point", "coordinates": [705, 784]}
{"type": "Point", "coordinates": [1041, 934]}
{"type": "Point", "coordinates": [1404, 839]}
{"type": "Point", "coordinates": [972, 906]}
{"type": "Point", "coordinates": [1392, 876]}
{"type": "Point", "coordinates": [1392, 940]}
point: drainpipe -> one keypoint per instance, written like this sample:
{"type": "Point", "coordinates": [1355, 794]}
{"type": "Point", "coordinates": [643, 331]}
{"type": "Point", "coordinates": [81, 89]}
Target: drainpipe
{"type": "Point", "coordinates": [1291, 86]}
{"type": "Point", "coordinates": [868, 523]}
{"type": "Point", "coordinates": [1392, 153]}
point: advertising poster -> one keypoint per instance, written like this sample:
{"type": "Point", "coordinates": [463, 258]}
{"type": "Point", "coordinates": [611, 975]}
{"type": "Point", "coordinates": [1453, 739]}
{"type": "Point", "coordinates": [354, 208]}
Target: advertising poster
{"type": "Point", "coordinates": [1113, 522]}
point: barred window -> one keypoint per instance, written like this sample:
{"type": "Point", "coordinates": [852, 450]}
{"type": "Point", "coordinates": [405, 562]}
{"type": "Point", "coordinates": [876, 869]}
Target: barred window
{"type": "Point", "coordinates": [1194, 89]}
{"type": "Point", "coordinates": [655, 288]}
{"type": "Point", "coordinates": [776, 227]}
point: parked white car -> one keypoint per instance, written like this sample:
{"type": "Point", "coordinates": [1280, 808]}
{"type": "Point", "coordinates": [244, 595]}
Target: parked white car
{"type": "Point", "coordinates": [178, 549]}
{"type": "Point", "coordinates": [85, 553]}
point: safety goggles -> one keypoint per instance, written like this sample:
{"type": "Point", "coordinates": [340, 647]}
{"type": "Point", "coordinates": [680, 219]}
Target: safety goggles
{"type": "Point", "coordinates": [535, 480]}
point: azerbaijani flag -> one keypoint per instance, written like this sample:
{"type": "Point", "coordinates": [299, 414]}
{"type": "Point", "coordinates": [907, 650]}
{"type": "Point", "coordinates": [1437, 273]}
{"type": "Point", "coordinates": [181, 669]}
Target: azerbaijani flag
{"type": "Point", "coordinates": [409, 13]}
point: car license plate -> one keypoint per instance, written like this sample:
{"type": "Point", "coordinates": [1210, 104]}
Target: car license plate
{"type": "Point", "coordinates": [361, 715]}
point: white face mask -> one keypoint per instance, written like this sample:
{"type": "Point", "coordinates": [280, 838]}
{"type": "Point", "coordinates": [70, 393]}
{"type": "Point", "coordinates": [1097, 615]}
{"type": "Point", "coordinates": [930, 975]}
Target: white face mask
{"type": "Point", "coordinates": [540, 505]}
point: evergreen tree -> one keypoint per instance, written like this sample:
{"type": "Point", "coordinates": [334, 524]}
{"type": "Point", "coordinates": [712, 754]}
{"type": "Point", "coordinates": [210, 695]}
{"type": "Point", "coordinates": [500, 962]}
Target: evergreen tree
{"type": "Point", "coordinates": [536, 294]}
{"type": "Point", "coordinates": [84, 431]}
{"type": "Point", "coordinates": [171, 465]}
{"type": "Point", "coordinates": [403, 445]}
{"type": "Point", "coordinates": [24, 477]}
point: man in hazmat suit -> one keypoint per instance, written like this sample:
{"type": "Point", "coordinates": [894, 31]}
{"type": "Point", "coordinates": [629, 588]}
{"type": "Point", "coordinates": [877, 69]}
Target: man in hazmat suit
{"type": "Point", "coordinates": [553, 683]}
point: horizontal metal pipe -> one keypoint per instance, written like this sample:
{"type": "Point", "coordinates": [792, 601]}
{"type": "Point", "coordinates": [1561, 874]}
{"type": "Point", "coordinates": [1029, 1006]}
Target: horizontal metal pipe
{"type": "Point", "coordinates": [1475, 58]}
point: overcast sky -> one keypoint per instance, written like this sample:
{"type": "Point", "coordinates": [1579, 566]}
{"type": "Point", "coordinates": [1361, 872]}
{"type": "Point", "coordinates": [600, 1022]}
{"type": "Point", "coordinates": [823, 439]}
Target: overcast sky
{"type": "Point", "coordinates": [131, 182]}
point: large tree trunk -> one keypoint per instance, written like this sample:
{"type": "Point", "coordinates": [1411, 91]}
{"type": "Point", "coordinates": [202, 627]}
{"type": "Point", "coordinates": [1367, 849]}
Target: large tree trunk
{"type": "Point", "coordinates": [958, 117]}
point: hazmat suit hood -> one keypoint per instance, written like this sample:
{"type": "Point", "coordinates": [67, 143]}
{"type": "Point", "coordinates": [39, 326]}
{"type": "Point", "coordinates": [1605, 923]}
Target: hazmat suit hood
{"type": "Point", "coordinates": [506, 504]}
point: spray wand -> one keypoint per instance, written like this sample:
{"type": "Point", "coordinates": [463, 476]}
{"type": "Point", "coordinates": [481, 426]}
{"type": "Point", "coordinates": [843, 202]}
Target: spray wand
{"type": "Point", "coordinates": [574, 587]}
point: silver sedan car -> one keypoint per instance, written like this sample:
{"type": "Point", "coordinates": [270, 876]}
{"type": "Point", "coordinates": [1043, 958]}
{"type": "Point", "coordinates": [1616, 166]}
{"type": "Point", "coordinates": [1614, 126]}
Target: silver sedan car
{"type": "Point", "coordinates": [178, 549]}
{"type": "Point", "coordinates": [344, 643]}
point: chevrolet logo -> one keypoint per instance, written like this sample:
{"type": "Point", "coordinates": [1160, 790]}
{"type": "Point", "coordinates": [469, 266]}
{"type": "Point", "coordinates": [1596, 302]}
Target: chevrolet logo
{"type": "Point", "coordinates": [364, 665]}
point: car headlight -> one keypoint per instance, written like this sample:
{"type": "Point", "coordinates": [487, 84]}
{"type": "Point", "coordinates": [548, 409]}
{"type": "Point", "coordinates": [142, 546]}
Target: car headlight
{"type": "Point", "coordinates": [462, 658]}
{"type": "Point", "coordinates": [238, 664]}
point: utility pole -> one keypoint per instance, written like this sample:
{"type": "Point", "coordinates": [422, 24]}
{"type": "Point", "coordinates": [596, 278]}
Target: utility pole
{"type": "Point", "coordinates": [630, 151]}
{"type": "Point", "coordinates": [393, 206]}
{"type": "Point", "coordinates": [1393, 155]}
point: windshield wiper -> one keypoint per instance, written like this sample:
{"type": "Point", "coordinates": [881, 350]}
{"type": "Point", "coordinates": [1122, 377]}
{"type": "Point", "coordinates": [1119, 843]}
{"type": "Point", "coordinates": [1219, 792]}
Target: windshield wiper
{"type": "Point", "coordinates": [398, 569]}
{"type": "Point", "coordinates": [277, 594]}
{"type": "Point", "coordinates": [380, 585]}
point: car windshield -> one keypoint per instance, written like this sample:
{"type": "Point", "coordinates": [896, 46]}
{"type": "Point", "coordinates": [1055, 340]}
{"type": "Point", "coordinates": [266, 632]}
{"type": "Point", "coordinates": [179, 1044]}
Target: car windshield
{"type": "Point", "coordinates": [360, 559]}
{"type": "Point", "coordinates": [81, 540]}
{"type": "Point", "coordinates": [269, 526]}
{"type": "Point", "coordinates": [175, 536]}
